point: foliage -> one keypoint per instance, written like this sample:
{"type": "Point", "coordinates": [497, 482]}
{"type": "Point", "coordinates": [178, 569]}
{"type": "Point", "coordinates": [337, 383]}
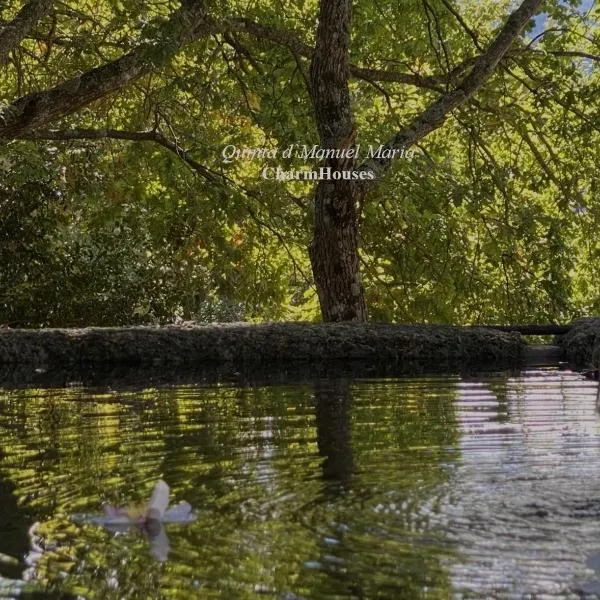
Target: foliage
{"type": "Point", "coordinates": [491, 221]}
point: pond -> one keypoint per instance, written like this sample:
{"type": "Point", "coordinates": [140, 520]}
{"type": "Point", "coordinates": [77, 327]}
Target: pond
{"type": "Point", "coordinates": [445, 486]}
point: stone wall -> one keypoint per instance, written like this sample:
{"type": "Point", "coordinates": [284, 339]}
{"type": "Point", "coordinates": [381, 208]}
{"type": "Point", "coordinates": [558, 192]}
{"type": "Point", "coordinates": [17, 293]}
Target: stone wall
{"type": "Point", "coordinates": [582, 343]}
{"type": "Point", "coordinates": [262, 344]}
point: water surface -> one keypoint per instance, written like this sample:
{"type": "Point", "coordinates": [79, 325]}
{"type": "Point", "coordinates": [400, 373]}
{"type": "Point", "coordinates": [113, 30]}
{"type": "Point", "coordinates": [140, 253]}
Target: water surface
{"type": "Point", "coordinates": [484, 486]}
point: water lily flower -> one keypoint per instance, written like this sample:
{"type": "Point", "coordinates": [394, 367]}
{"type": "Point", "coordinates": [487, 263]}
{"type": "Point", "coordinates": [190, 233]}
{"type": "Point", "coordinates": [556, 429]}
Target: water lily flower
{"type": "Point", "coordinates": [154, 510]}
{"type": "Point", "coordinates": [149, 517]}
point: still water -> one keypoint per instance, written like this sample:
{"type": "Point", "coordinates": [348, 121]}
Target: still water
{"type": "Point", "coordinates": [481, 486]}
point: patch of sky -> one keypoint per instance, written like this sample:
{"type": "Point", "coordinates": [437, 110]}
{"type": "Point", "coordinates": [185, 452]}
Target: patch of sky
{"type": "Point", "coordinates": [581, 7]}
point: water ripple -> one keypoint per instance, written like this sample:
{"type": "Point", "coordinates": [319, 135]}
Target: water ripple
{"type": "Point", "coordinates": [428, 487]}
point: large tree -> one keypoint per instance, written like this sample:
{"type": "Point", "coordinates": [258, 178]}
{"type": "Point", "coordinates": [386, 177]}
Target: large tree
{"type": "Point", "coordinates": [463, 71]}
{"type": "Point", "coordinates": [334, 251]}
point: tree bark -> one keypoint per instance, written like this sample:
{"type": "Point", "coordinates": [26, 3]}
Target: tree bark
{"type": "Point", "coordinates": [334, 248]}
{"type": "Point", "coordinates": [334, 253]}
{"type": "Point", "coordinates": [13, 33]}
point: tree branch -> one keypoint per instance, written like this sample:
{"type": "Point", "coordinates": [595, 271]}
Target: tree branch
{"type": "Point", "coordinates": [146, 136]}
{"type": "Point", "coordinates": [40, 108]}
{"type": "Point", "coordinates": [158, 138]}
{"type": "Point", "coordinates": [573, 53]}
{"type": "Point", "coordinates": [118, 134]}
{"type": "Point", "coordinates": [436, 114]}
{"type": "Point", "coordinates": [13, 33]}
{"type": "Point", "coordinates": [463, 24]}
{"type": "Point", "coordinates": [190, 22]}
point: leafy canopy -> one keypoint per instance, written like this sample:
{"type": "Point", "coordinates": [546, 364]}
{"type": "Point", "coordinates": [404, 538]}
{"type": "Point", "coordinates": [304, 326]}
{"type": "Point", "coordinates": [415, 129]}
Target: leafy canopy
{"type": "Point", "coordinates": [493, 220]}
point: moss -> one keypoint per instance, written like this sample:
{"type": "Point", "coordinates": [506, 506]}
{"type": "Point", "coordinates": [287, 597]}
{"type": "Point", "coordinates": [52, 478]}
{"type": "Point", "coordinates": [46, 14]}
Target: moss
{"type": "Point", "coordinates": [263, 344]}
{"type": "Point", "coordinates": [582, 343]}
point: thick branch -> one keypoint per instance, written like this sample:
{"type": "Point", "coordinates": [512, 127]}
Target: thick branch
{"type": "Point", "coordinates": [573, 53]}
{"type": "Point", "coordinates": [40, 108]}
{"type": "Point", "coordinates": [13, 33]}
{"type": "Point", "coordinates": [432, 82]}
{"type": "Point", "coordinates": [436, 114]}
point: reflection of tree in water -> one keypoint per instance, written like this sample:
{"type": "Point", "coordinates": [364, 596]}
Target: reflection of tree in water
{"type": "Point", "coordinates": [386, 445]}
{"type": "Point", "coordinates": [243, 452]}
{"type": "Point", "coordinates": [334, 435]}
{"type": "Point", "coordinates": [57, 447]}
{"type": "Point", "coordinates": [333, 402]}
{"type": "Point", "coordinates": [16, 516]}
{"type": "Point", "coordinates": [13, 527]}
{"type": "Point", "coordinates": [273, 492]}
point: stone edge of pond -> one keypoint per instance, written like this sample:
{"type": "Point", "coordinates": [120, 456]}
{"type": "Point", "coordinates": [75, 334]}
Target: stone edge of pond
{"type": "Point", "coordinates": [260, 344]}
{"type": "Point", "coordinates": [581, 344]}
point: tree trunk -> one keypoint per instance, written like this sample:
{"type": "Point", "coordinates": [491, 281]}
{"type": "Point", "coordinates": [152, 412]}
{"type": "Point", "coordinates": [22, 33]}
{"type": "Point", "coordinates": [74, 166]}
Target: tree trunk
{"type": "Point", "coordinates": [334, 249]}
{"type": "Point", "coordinates": [334, 253]}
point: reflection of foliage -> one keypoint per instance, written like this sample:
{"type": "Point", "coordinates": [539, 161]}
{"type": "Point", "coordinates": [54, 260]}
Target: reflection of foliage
{"type": "Point", "coordinates": [248, 462]}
